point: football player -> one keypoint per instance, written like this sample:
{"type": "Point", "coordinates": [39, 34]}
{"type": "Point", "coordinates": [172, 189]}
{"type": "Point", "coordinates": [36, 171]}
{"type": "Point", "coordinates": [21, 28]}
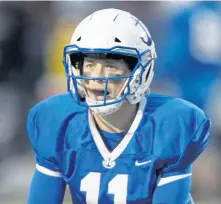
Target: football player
{"type": "Point", "coordinates": [109, 139]}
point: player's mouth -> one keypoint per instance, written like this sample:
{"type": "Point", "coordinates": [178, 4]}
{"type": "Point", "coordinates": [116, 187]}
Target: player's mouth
{"type": "Point", "coordinates": [99, 95]}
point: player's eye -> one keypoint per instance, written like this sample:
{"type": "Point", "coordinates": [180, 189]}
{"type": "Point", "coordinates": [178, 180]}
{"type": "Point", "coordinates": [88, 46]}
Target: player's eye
{"type": "Point", "coordinates": [108, 66]}
{"type": "Point", "coordinates": [89, 66]}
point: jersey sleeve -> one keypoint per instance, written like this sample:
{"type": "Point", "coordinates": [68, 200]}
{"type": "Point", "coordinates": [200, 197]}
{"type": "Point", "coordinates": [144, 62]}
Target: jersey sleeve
{"type": "Point", "coordinates": [174, 182]}
{"type": "Point", "coordinates": [42, 185]}
{"type": "Point", "coordinates": [192, 146]}
{"type": "Point", "coordinates": [46, 161]}
{"type": "Point", "coordinates": [174, 188]}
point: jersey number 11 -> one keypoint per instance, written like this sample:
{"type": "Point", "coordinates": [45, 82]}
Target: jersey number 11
{"type": "Point", "coordinates": [117, 186]}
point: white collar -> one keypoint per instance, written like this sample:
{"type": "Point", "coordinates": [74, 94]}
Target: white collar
{"type": "Point", "coordinates": [112, 156]}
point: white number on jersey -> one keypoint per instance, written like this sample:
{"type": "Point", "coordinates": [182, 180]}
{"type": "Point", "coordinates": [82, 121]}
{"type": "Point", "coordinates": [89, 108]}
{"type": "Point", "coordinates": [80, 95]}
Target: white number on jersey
{"type": "Point", "coordinates": [117, 186]}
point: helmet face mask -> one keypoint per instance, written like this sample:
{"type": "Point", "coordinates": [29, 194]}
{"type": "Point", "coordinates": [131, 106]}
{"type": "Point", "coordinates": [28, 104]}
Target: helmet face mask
{"type": "Point", "coordinates": [131, 43]}
{"type": "Point", "coordinates": [109, 69]}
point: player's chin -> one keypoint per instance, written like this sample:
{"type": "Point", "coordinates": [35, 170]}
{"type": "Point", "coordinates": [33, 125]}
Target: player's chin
{"type": "Point", "coordinates": [102, 98]}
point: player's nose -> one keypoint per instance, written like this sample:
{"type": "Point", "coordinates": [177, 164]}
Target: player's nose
{"type": "Point", "coordinates": [98, 72]}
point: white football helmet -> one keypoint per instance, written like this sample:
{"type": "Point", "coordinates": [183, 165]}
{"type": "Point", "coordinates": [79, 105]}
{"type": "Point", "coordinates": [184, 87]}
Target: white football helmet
{"type": "Point", "coordinates": [117, 32]}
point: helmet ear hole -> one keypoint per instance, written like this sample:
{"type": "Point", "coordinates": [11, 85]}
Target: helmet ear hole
{"type": "Point", "coordinates": [147, 75]}
{"type": "Point", "coordinates": [79, 39]}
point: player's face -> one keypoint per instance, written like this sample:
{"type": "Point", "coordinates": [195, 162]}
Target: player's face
{"type": "Point", "coordinates": [94, 67]}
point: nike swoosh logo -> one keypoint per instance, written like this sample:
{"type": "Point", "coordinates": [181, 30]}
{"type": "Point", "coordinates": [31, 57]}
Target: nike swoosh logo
{"type": "Point", "coordinates": [142, 163]}
{"type": "Point", "coordinates": [170, 179]}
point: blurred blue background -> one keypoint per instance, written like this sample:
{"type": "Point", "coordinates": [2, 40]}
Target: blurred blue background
{"type": "Point", "coordinates": [32, 37]}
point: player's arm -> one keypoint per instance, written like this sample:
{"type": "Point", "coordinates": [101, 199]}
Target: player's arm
{"type": "Point", "coordinates": [47, 185]}
{"type": "Point", "coordinates": [173, 188]}
{"type": "Point", "coordinates": [46, 188]}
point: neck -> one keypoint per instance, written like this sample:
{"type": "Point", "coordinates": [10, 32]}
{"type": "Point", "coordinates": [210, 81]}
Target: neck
{"type": "Point", "coordinates": [118, 121]}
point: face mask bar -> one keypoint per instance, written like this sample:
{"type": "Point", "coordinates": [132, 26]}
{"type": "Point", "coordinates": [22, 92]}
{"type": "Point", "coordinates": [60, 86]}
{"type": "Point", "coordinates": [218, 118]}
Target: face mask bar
{"type": "Point", "coordinates": [103, 102]}
{"type": "Point", "coordinates": [74, 81]}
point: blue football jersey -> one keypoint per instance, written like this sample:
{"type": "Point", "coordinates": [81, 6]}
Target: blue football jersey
{"type": "Point", "coordinates": [166, 136]}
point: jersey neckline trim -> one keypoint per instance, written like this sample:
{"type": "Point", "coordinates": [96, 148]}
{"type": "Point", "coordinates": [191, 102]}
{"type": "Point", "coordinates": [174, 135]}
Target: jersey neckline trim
{"type": "Point", "coordinates": [118, 150]}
